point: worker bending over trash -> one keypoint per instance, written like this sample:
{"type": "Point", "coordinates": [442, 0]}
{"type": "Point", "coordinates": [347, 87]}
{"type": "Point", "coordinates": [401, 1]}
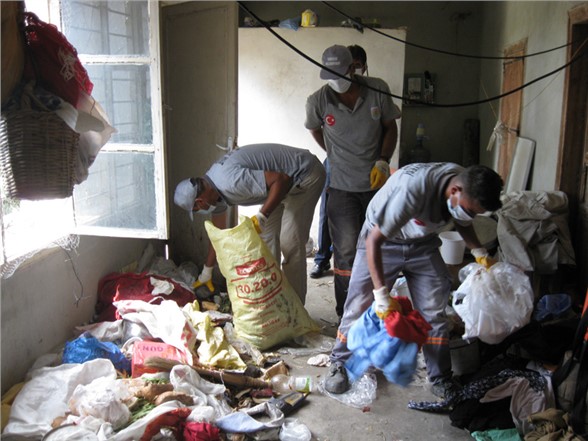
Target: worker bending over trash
{"type": "Point", "coordinates": [286, 181]}
{"type": "Point", "coordinates": [400, 235]}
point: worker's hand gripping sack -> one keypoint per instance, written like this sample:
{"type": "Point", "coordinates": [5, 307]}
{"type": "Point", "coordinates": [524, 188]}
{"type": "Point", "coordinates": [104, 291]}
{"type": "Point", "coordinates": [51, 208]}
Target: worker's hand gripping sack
{"type": "Point", "coordinates": [266, 310]}
{"type": "Point", "coordinates": [493, 303]}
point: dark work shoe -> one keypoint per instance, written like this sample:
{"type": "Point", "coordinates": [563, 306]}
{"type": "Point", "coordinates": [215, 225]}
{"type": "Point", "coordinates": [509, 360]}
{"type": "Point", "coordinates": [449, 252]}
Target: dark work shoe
{"type": "Point", "coordinates": [445, 388]}
{"type": "Point", "coordinates": [319, 270]}
{"type": "Point", "coordinates": [336, 380]}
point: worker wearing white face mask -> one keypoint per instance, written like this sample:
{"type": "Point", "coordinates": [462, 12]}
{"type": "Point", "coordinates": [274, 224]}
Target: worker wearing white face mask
{"type": "Point", "coordinates": [356, 126]}
{"type": "Point", "coordinates": [400, 235]}
{"type": "Point", "coordinates": [285, 181]}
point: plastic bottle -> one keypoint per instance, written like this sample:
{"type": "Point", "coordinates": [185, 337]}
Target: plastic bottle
{"type": "Point", "coordinates": [282, 384]}
{"type": "Point", "coordinates": [419, 153]}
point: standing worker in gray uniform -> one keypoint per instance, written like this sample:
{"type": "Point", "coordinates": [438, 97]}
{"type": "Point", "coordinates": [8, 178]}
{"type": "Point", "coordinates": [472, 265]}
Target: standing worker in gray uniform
{"type": "Point", "coordinates": [400, 235]}
{"type": "Point", "coordinates": [286, 181]}
{"type": "Point", "coordinates": [322, 259]}
{"type": "Point", "coordinates": [356, 126]}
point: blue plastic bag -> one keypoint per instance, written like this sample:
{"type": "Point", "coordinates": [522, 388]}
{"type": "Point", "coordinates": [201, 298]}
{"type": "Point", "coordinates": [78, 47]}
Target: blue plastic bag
{"type": "Point", "coordinates": [371, 345]}
{"type": "Point", "coordinates": [87, 347]}
{"type": "Point", "coordinates": [552, 306]}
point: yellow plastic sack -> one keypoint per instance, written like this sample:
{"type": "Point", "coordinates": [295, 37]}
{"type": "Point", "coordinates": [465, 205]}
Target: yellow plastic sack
{"type": "Point", "coordinates": [266, 310]}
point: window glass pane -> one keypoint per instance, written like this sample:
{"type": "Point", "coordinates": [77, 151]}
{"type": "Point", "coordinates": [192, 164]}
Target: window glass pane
{"type": "Point", "coordinates": [124, 93]}
{"type": "Point", "coordinates": [106, 27]}
{"type": "Point", "coordinates": [118, 193]}
{"type": "Point", "coordinates": [30, 225]}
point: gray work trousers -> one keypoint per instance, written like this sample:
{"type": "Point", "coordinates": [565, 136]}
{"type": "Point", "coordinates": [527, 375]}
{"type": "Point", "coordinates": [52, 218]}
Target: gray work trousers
{"type": "Point", "coordinates": [287, 229]}
{"type": "Point", "coordinates": [429, 284]}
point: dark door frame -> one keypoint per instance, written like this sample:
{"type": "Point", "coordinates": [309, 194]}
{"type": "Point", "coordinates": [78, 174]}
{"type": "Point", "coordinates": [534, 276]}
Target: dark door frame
{"type": "Point", "coordinates": [571, 162]}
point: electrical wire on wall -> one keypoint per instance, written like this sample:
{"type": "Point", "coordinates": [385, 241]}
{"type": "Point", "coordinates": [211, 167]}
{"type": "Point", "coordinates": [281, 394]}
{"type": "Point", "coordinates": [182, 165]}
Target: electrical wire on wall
{"type": "Point", "coordinates": [74, 241]}
{"type": "Point", "coordinates": [412, 100]}
{"type": "Point", "coordinates": [441, 51]}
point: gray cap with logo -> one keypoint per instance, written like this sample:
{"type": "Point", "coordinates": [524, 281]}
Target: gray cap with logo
{"type": "Point", "coordinates": [337, 58]}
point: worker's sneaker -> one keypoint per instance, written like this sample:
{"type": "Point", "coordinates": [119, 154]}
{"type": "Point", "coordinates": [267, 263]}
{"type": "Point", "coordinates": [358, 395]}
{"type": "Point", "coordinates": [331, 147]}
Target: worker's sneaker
{"type": "Point", "coordinates": [336, 380]}
{"type": "Point", "coordinates": [445, 388]}
{"type": "Point", "coordinates": [319, 270]}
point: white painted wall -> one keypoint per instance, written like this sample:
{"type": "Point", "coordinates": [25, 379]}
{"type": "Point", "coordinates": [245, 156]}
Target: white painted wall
{"type": "Point", "coordinates": [275, 81]}
{"type": "Point", "coordinates": [544, 24]}
{"type": "Point", "coordinates": [452, 26]}
{"type": "Point", "coordinates": [39, 310]}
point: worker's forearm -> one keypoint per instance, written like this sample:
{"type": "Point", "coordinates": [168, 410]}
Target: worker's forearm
{"type": "Point", "coordinates": [211, 256]}
{"type": "Point", "coordinates": [389, 140]}
{"type": "Point", "coordinates": [276, 194]}
{"type": "Point", "coordinates": [317, 134]}
{"type": "Point", "coordinates": [219, 221]}
{"type": "Point", "coordinates": [373, 247]}
{"type": "Point", "coordinates": [469, 236]}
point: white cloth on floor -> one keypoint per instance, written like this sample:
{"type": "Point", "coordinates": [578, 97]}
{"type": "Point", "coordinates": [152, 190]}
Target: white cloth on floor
{"type": "Point", "coordinates": [524, 402]}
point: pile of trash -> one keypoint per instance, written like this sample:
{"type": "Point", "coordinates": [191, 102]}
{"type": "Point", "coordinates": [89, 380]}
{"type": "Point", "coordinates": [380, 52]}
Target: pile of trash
{"type": "Point", "coordinates": [162, 368]}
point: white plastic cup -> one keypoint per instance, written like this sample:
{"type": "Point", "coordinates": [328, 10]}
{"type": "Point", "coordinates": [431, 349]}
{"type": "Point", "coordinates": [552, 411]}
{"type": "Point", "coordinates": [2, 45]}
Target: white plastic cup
{"type": "Point", "coordinates": [452, 247]}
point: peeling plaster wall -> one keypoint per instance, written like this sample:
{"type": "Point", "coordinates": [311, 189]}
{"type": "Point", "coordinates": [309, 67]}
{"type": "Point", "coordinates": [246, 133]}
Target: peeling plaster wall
{"type": "Point", "coordinates": [39, 310]}
{"type": "Point", "coordinates": [544, 25]}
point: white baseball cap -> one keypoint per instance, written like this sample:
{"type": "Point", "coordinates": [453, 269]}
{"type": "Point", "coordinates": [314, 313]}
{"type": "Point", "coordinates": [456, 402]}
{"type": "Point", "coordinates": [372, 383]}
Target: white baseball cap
{"type": "Point", "coordinates": [185, 195]}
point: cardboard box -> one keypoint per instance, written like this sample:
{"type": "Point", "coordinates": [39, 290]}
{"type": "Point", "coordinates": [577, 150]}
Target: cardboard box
{"type": "Point", "coordinates": [143, 350]}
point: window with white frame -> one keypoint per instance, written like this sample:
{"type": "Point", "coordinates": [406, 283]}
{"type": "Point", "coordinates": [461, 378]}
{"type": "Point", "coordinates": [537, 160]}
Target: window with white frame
{"type": "Point", "coordinates": [124, 194]}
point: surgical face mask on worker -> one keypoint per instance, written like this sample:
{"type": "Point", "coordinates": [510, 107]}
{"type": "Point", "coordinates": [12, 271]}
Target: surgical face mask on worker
{"type": "Point", "coordinates": [209, 210]}
{"type": "Point", "coordinates": [340, 85]}
{"type": "Point", "coordinates": [458, 212]}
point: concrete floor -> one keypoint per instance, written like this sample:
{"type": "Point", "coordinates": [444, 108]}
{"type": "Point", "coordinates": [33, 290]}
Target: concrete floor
{"type": "Point", "coordinates": [387, 418]}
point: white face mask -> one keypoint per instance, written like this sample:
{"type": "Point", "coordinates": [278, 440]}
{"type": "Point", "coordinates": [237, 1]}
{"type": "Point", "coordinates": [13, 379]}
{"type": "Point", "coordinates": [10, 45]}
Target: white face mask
{"type": "Point", "coordinates": [458, 213]}
{"type": "Point", "coordinates": [209, 210]}
{"type": "Point", "coordinates": [340, 85]}
{"type": "Point", "coordinates": [359, 71]}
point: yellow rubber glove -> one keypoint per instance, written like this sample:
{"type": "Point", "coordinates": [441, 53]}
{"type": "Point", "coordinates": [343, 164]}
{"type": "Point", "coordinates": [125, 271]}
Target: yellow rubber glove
{"type": "Point", "coordinates": [259, 221]}
{"type": "Point", "coordinates": [379, 174]}
{"type": "Point", "coordinates": [205, 278]}
{"type": "Point", "coordinates": [483, 258]}
{"type": "Point", "coordinates": [384, 303]}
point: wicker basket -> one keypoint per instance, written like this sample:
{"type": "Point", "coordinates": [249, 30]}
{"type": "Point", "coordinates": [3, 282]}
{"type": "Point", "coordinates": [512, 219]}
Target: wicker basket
{"type": "Point", "coordinates": [37, 155]}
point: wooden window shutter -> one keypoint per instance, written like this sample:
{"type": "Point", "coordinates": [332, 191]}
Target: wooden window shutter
{"type": "Point", "coordinates": [513, 74]}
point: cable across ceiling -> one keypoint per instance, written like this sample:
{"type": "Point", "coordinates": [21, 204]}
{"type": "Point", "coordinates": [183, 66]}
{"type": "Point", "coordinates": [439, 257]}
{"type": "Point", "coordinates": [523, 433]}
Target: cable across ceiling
{"type": "Point", "coordinates": [580, 53]}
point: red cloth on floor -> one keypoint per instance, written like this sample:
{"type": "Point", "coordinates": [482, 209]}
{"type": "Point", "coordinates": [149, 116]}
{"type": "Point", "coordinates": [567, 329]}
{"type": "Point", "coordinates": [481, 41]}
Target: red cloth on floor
{"type": "Point", "coordinates": [131, 286]}
{"type": "Point", "coordinates": [408, 325]}
{"type": "Point", "coordinates": [173, 418]}
{"type": "Point", "coordinates": [201, 432]}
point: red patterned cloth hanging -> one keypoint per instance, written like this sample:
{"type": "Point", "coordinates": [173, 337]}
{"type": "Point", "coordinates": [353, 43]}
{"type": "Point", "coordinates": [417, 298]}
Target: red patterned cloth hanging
{"type": "Point", "coordinates": [53, 61]}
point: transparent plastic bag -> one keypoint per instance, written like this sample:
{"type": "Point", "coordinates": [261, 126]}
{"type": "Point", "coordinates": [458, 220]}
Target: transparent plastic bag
{"type": "Point", "coordinates": [312, 343]}
{"type": "Point", "coordinates": [361, 393]}
{"type": "Point", "coordinates": [294, 430]}
{"type": "Point", "coordinates": [493, 303]}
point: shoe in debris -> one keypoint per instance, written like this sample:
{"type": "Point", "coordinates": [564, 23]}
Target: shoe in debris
{"type": "Point", "coordinates": [319, 270]}
{"type": "Point", "coordinates": [336, 380]}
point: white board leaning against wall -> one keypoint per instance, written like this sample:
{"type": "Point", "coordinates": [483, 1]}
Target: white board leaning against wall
{"type": "Point", "coordinates": [274, 82]}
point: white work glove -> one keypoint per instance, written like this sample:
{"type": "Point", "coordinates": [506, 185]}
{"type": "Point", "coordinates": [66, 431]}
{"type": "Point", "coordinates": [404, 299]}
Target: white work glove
{"type": "Point", "coordinates": [379, 174]}
{"type": "Point", "coordinates": [384, 303]}
{"type": "Point", "coordinates": [205, 278]}
{"type": "Point", "coordinates": [482, 257]}
{"type": "Point", "coordinates": [259, 221]}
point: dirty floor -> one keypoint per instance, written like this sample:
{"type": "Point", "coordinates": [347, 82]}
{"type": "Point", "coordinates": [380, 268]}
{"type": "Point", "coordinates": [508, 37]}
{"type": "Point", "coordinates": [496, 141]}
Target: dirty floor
{"type": "Point", "coordinates": [387, 418]}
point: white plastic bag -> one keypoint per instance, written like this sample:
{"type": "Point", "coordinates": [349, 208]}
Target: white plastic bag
{"type": "Point", "coordinates": [493, 303]}
{"type": "Point", "coordinates": [103, 398]}
{"type": "Point", "coordinates": [294, 430]}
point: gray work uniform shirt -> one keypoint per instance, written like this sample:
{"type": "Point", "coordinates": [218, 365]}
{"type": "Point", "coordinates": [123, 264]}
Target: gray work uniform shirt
{"type": "Point", "coordinates": [411, 206]}
{"type": "Point", "coordinates": [353, 137]}
{"type": "Point", "coordinates": [239, 176]}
